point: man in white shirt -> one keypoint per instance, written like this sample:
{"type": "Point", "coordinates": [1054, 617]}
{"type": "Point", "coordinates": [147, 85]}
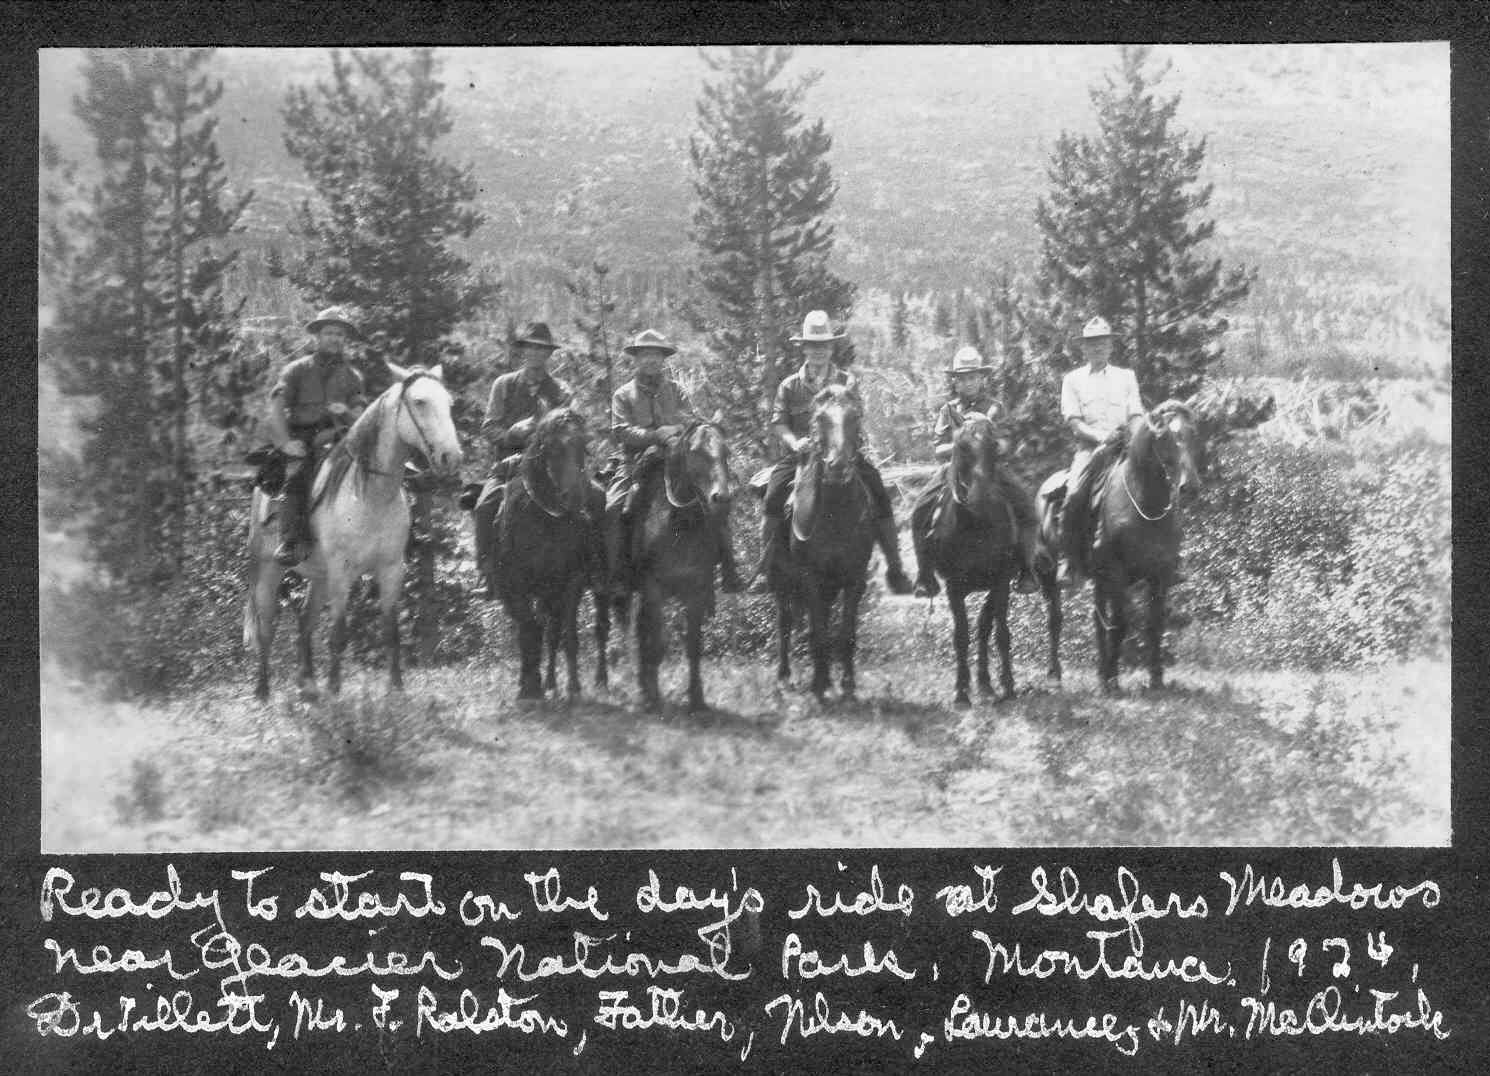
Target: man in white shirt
{"type": "Point", "coordinates": [1097, 401]}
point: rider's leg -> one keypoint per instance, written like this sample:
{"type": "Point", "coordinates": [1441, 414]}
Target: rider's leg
{"type": "Point", "coordinates": [889, 538]}
{"type": "Point", "coordinates": [292, 510]}
{"type": "Point", "coordinates": [921, 519]}
{"type": "Point", "coordinates": [1027, 525]}
{"type": "Point", "coordinates": [778, 488]}
{"type": "Point", "coordinates": [484, 520]}
{"type": "Point", "coordinates": [1073, 517]}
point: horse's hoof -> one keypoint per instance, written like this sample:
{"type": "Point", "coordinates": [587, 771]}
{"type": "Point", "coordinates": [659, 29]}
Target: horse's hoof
{"type": "Point", "coordinates": [310, 693]}
{"type": "Point", "coordinates": [261, 693]}
{"type": "Point", "coordinates": [697, 707]}
{"type": "Point", "coordinates": [961, 701]}
{"type": "Point", "coordinates": [848, 694]}
{"type": "Point", "coordinates": [1006, 695]}
{"type": "Point", "coordinates": [985, 688]}
{"type": "Point", "coordinates": [1053, 677]}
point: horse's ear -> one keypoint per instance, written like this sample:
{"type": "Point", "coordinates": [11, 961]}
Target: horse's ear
{"type": "Point", "coordinates": [437, 371]}
{"type": "Point", "coordinates": [398, 372]}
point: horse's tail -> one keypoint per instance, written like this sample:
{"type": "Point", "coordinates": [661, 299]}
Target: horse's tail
{"type": "Point", "coordinates": [250, 619]}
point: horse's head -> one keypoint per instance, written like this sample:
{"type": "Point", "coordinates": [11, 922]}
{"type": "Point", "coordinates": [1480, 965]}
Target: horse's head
{"type": "Point", "coordinates": [699, 460]}
{"type": "Point", "coordinates": [975, 451]}
{"type": "Point", "coordinates": [558, 448]}
{"type": "Point", "coordinates": [423, 417]}
{"type": "Point", "coordinates": [835, 431]}
{"type": "Point", "coordinates": [1170, 433]}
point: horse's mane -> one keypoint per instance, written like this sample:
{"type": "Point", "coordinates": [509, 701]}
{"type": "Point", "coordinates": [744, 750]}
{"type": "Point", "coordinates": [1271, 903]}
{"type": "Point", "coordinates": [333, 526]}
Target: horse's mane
{"type": "Point", "coordinates": [561, 421]}
{"type": "Point", "coordinates": [360, 445]}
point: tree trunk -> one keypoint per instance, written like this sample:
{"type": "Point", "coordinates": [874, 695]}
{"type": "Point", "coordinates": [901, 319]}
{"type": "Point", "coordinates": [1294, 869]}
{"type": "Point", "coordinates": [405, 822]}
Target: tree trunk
{"type": "Point", "coordinates": [178, 342]}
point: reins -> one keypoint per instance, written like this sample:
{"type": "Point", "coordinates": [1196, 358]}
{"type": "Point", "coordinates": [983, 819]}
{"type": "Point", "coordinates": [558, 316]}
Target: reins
{"type": "Point", "coordinates": [1163, 512]}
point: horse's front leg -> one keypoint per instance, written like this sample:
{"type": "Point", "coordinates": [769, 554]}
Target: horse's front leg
{"type": "Point", "coordinates": [849, 635]}
{"type": "Point", "coordinates": [985, 630]}
{"type": "Point", "coordinates": [553, 629]}
{"type": "Point", "coordinates": [310, 611]}
{"type": "Point", "coordinates": [570, 631]}
{"type": "Point", "coordinates": [528, 627]}
{"type": "Point", "coordinates": [783, 636]}
{"type": "Point", "coordinates": [390, 589]}
{"type": "Point", "coordinates": [602, 637]}
{"type": "Point", "coordinates": [1053, 620]}
{"type": "Point", "coordinates": [957, 602]}
{"type": "Point", "coordinates": [819, 610]}
{"type": "Point", "coordinates": [1158, 593]}
{"type": "Point", "coordinates": [998, 597]}
{"type": "Point", "coordinates": [261, 617]}
{"type": "Point", "coordinates": [649, 644]}
{"type": "Point", "coordinates": [695, 611]}
{"type": "Point", "coordinates": [1109, 618]}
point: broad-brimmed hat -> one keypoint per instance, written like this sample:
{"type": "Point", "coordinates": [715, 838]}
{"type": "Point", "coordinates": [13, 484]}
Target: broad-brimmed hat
{"type": "Point", "coordinates": [817, 328]}
{"type": "Point", "coordinates": [335, 315]}
{"type": "Point", "coordinates": [536, 334]}
{"type": "Point", "coordinates": [1096, 329]}
{"type": "Point", "coordinates": [649, 340]}
{"type": "Point", "coordinates": [968, 361]}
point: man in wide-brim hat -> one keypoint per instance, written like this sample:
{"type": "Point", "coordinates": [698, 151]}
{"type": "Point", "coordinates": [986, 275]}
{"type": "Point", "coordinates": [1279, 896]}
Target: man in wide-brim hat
{"type": "Point", "coordinates": [315, 398]}
{"type": "Point", "coordinates": [647, 413]}
{"type": "Point", "coordinates": [791, 421]}
{"type": "Point", "coordinates": [969, 376]}
{"type": "Point", "coordinates": [1097, 402]}
{"type": "Point", "coordinates": [518, 399]}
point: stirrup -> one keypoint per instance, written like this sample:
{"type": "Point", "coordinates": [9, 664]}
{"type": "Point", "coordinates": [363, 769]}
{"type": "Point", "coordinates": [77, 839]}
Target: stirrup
{"type": "Point", "coordinates": [927, 588]}
{"type": "Point", "coordinates": [288, 554]}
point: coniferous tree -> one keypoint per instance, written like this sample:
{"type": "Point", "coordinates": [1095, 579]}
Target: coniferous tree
{"type": "Point", "coordinates": [1122, 237]}
{"type": "Point", "coordinates": [380, 240]}
{"type": "Point", "coordinates": [764, 190]}
{"type": "Point", "coordinates": [139, 295]}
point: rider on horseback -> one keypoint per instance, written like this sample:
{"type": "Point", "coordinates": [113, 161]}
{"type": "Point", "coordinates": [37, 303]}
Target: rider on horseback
{"type": "Point", "coordinates": [646, 413]}
{"type": "Point", "coordinates": [970, 395]}
{"type": "Point", "coordinates": [518, 399]}
{"type": "Point", "coordinates": [1097, 402]}
{"type": "Point", "coordinates": [791, 421]}
{"type": "Point", "coordinates": [315, 398]}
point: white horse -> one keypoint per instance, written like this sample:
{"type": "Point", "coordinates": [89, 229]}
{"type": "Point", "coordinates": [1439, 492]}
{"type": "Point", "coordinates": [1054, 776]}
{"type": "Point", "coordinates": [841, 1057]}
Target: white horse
{"type": "Point", "coordinates": [359, 523]}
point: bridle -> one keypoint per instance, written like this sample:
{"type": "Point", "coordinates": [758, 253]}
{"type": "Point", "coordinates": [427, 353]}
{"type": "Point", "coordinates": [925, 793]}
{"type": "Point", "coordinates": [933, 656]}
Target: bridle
{"type": "Point", "coordinates": [552, 511]}
{"type": "Point", "coordinates": [667, 484]}
{"type": "Point", "coordinates": [427, 451]}
{"type": "Point", "coordinates": [1158, 434]}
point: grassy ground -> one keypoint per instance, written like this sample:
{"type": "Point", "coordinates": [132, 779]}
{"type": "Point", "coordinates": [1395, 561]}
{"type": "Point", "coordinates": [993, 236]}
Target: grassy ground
{"type": "Point", "coordinates": [1251, 757]}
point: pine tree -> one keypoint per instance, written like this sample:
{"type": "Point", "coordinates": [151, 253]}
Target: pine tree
{"type": "Point", "coordinates": [139, 290]}
{"type": "Point", "coordinates": [379, 239]}
{"type": "Point", "coordinates": [900, 334]}
{"type": "Point", "coordinates": [764, 190]}
{"type": "Point", "coordinates": [1122, 237]}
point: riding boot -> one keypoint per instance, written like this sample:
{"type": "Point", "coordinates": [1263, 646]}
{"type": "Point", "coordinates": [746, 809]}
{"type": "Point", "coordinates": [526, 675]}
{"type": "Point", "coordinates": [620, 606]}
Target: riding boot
{"type": "Point", "coordinates": [615, 552]}
{"type": "Point", "coordinates": [771, 552]}
{"type": "Point", "coordinates": [729, 571]}
{"type": "Point", "coordinates": [1073, 511]}
{"type": "Point", "coordinates": [1029, 550]}
{"type": "Point", "coordinates": [291, 549]}
{"type": "Point", "coordinates": [484, 519]}
{"type": "Point", "coordinates": [889, 541]}
{"type": "Point", "coordinates": [926, 581]}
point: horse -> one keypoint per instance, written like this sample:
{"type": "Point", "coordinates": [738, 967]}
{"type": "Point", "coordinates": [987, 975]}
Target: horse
{"type": "Point", "coordinates": [546, 545]}
{"type": "Point", "coordinates": [1140, 529]}
{"type": "Point", "coordinates": [598, 583]}
{"type": "Point", "coordinates": [832, 537]}
{"type": "Point", "coordinates": [359, 524]}
{"type": "Point", "coordinates": [973, 547]}
{"type": "Point", "coordinates": [675, 546]}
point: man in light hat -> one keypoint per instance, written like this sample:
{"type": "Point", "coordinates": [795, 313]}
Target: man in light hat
{"type": "Point", "coordinates": [970, 395]}
{"type": "Point", "coordinates": [791, 421]}
{"type": "Point", "coordinates": [646, 413]}
{"type": "Point", "coordinates": [518, 399]}
{"type": "Point", "coordinates": [1097, 401]}
{"type": "Point", "coordinates": [315, 398]}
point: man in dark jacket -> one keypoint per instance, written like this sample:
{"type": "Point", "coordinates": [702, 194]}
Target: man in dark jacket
{"type": "Point", "coordinates": [791, 421]}
{"type": "Point", "coordinates": [315, 398]}
{"type": "Point", "coordinates": [518, 400]}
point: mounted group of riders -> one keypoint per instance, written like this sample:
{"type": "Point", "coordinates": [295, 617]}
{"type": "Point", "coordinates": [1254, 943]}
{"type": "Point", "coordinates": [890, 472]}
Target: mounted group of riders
{"type": "Point", "coordinates": [318, 396]}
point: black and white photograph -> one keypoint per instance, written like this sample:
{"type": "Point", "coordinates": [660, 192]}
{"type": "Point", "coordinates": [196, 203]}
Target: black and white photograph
{"type": "Point", "coordinates": [744, 447]}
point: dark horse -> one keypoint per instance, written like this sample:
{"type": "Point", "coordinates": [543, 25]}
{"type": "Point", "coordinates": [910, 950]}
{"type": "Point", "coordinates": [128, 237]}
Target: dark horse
{"type": "Point", "coordinates": [832, 538]}
{"type": "Point", "coordinates": [545, 548]}
{"type": "Point", "coordinates": [1139, 531]}
{"type": "Point", "coordinates": [674, 548]}
{"type": "Point", "coordinates": [973, 547]}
